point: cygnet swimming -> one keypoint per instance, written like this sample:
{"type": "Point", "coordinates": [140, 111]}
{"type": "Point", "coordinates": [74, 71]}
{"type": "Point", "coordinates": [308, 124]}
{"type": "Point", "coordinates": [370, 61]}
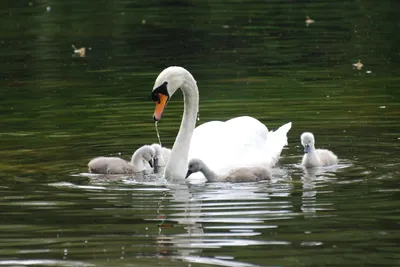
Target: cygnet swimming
{"type": "Point", "coordinates": [159, 162]}
{"type": "Point", "coordinates": [114, 165]}
{"type": "Point", "coordinates": [315, 157]}
{"type": "Point", "coordinates": [237, 175]}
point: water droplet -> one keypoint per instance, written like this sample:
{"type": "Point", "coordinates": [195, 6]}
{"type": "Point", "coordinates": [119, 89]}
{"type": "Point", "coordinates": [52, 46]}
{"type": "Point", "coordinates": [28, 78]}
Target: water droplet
{"type": "Point", "coordinates": [158, 133]}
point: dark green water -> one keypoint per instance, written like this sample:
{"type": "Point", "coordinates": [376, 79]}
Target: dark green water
{"type": "Point", "coordinates": [254, 58]}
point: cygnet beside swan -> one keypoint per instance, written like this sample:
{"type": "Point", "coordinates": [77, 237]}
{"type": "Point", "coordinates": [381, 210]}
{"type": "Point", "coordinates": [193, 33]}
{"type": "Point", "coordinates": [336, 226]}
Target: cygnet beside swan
{"type": "Point", "coordinates": [115, 165]}
{"type": "Point", "coordinates": [236, 175]}
{"type": "Point", "coordinates": [159, 159]}
{"type": "Point", "coordinates": [315, 157]}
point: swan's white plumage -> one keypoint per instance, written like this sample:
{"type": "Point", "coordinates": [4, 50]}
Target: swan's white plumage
{"type": "Point", "coordinates": [241, 141]}
{"type": "Point", "coordinates": [221, 145]}
{"type": "Point", "coordinates": [315, 157]}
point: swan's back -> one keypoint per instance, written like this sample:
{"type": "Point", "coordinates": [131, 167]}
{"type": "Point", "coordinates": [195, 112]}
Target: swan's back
{"type": "Point", "coordinates": [109, 165]}
{"type": "Point", "coordinates": [326, 157]}
{"type": "Point", "coordinates": [241, 141]}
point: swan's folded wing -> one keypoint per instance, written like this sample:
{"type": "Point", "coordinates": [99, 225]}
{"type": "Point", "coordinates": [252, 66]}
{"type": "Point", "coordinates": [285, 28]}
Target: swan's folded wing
{"type": "Point", "coordinates": [223, 145]}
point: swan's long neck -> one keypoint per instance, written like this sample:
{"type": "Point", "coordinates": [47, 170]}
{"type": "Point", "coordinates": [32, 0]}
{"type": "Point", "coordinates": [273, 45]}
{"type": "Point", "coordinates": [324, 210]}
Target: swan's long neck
{"type": "Point", "coordinates": [209, 174]}
{"type": "Point", "coordinates": [178, 162]}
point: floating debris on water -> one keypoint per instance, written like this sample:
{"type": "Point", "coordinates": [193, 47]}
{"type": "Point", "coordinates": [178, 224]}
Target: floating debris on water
{"type": "Point", "coordinates": [358, 65]}
{"type": "Point", "coordinates": [382, 106]}
{"type": "Point", "coordinates": [48, 9]}
{"type": "Point", "coordinates": [81, 51]}
{"type": "Point", "coordinates": [368, 72]}
{"type": "Point", "coordinates": [309, 21]}
{"type": "Point", "coordinates": [143, 21]}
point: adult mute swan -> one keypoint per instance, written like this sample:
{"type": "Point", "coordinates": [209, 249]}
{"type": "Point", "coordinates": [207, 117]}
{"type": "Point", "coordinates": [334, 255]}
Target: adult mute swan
{"type": "Point", "coordinates": [236, 175]}
{"type": "Point", "coordinates": [221, 145]}
{"type": "Point", "coordinates": [315, 157]}
{"type": "Point", "coordinates": [114, 165]}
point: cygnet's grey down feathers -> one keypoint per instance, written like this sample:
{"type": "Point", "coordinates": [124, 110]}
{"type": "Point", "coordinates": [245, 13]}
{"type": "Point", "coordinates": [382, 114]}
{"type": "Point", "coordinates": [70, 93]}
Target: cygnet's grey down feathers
{"type": "Point", "coordinates": [109, 165]}
{"type": "Point", "coordinates": [315, 157]}
{"type": "Point", "coordinates": [115, 165]}
{"type": "Point", "coordinates": [237, 175]}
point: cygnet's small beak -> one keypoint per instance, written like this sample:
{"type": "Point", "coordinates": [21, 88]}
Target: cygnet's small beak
{"type": "Point", "coordinates": [155, 161]}
{"type": "Point", "coordinates": [189, 172]}
{"type": "Point", "coordinates": [306, 148]}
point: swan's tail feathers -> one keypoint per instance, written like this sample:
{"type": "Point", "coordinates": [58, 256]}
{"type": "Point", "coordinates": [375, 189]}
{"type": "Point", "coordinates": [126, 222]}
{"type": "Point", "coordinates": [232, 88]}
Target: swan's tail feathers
{"type": "Point", "coordinates": [283, 130]}
{"type": "Point", "coordinates": [276, 140]}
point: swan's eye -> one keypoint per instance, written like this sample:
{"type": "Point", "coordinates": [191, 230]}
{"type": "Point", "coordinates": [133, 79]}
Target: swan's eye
{"type": "Point", "coordinates": [155, 97]}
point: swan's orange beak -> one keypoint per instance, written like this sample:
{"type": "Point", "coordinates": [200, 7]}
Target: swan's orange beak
{"type": "Point", "coordinates": [160, 106]}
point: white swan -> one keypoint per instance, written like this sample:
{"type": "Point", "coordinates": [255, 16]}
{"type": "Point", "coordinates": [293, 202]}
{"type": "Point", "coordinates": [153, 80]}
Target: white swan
{"type": "Point", "coordinates": [221, 145]}
{"type": "Point", "coordinates": [236, 175]}
{"type": "Point", "coordinates": [115, 165]}
{"type": "Point", "coordinates": [315, 157]}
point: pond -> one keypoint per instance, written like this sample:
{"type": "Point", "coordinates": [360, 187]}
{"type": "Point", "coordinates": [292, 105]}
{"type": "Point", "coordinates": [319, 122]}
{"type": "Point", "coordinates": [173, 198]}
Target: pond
{"type": "Point", "coordinates": [258, 58]}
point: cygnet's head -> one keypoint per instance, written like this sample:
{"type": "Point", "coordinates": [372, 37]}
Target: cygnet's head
{"type": "Point", "coordinates": [167, 82]}
{"type": "Point", "coordinates": [157, 149]}
{"type": "Point", "coordinates": [157, 160]}
{"type": "Point", "coordinates": [145, 152]}
{"type": "Point", "coordinates": [195, 165]}
{"type": "Point", "coordinates": [307, 140]}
